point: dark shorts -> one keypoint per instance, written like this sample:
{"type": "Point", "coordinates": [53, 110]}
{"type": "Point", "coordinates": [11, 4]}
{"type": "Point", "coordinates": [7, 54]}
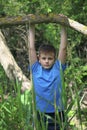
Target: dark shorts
{"type": "Point", "coordinates": [51, 121]}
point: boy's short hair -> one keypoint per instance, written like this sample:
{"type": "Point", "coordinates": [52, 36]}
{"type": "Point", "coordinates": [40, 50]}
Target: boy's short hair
{"type": "Point", "coordinates": [47, 48]}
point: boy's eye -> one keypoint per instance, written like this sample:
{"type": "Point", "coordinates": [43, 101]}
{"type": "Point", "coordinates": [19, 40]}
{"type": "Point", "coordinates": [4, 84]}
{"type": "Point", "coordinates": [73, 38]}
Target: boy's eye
{"type": "Point", "coordinates": [43, 58]}
{"type": "Point", "coordinates": [50, 58]}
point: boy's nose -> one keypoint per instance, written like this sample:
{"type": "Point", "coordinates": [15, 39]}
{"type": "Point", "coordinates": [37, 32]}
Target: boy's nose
{"type": "Point", "coordinates": [46, 60]}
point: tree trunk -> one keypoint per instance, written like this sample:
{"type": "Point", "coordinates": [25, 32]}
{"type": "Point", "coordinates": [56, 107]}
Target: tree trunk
{"type": "Point", "coordinates": [37, 19]}
{"type": "Point", "coordinates": [10, 66]}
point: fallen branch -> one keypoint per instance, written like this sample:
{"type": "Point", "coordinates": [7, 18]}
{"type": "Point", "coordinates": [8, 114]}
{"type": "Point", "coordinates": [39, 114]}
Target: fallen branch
{"type": "Point", "coordinates": [38, 19]}
{"type": "Point", "coordinates": [10, 66]}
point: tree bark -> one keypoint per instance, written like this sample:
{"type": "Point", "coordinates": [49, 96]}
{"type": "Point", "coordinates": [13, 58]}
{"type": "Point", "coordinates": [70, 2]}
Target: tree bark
{"type": "Point", "coordinates": [10, 66]}
{"type": "Point", "coordinates": [37, 19]}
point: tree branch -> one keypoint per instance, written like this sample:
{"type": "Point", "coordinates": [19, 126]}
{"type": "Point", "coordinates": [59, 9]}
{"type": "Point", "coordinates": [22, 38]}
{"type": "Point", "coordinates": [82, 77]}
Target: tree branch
{"type": "Point", "coordinates": [12, 70]}
{"type": "Point", "coordinates": [38, 19]}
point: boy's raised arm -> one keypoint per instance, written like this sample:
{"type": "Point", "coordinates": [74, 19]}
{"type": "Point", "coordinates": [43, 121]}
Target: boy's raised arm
{"type": "Point", "coordinates": [63, 45]}
{"type": "Point", "coordinates": [32, 51]}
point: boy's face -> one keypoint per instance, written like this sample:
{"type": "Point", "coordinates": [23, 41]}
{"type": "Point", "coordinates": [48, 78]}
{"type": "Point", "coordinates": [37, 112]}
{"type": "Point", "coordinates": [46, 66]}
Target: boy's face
{"type": "Point", "coordinates": [47, 59]}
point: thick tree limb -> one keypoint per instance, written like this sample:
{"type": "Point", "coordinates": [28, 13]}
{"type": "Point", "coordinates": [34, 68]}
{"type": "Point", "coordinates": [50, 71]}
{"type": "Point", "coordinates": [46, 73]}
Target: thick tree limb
{"type": "Point", "coordinates": [10, 66]}
{"type": "Point", "coordinates": [37, 19]}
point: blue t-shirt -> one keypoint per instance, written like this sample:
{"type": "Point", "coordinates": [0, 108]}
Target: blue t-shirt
{"type": "Point", "coordinates": [47, 87]}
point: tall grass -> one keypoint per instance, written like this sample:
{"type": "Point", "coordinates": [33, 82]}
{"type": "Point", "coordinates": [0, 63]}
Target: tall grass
{"type": "Point", "coordinates": [18, 111]}
{"type": "Point", "coordinates": [15, 111]}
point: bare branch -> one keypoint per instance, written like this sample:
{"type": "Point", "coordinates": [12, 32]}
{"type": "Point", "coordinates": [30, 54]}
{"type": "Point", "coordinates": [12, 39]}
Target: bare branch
{"type": "Point", "coordinates": [12, 70]}
{"type": "Point", "coordinates": [38, 19]}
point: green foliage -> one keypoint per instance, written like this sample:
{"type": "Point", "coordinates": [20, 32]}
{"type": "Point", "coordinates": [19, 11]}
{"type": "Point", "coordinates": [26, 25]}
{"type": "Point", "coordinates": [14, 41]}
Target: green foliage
{"type": "Point", "coordinates": [3, 77]}
{"type": "Point", "coordinates": [13, 112]}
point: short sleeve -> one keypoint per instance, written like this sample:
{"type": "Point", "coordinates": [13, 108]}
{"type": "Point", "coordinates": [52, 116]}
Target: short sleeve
{"type": "Point", "coordinates": [34, 67]}
{"type": "Point", "coordinates": [62, 66]}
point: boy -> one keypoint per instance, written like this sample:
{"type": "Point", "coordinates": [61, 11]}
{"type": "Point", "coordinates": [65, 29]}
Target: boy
{"type": "Point", "coordinates": [47, 78]}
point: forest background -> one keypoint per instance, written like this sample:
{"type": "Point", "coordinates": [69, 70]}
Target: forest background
{"type": "Point", "coordinates": [75, 75]}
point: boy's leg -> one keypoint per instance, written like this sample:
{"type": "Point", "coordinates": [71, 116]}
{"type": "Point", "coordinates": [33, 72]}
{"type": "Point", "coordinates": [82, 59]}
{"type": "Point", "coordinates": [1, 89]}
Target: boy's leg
{"type": "Point", "coordinates": [52, 126]}
{"type": "Point", "coordinates": [50, 122]}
